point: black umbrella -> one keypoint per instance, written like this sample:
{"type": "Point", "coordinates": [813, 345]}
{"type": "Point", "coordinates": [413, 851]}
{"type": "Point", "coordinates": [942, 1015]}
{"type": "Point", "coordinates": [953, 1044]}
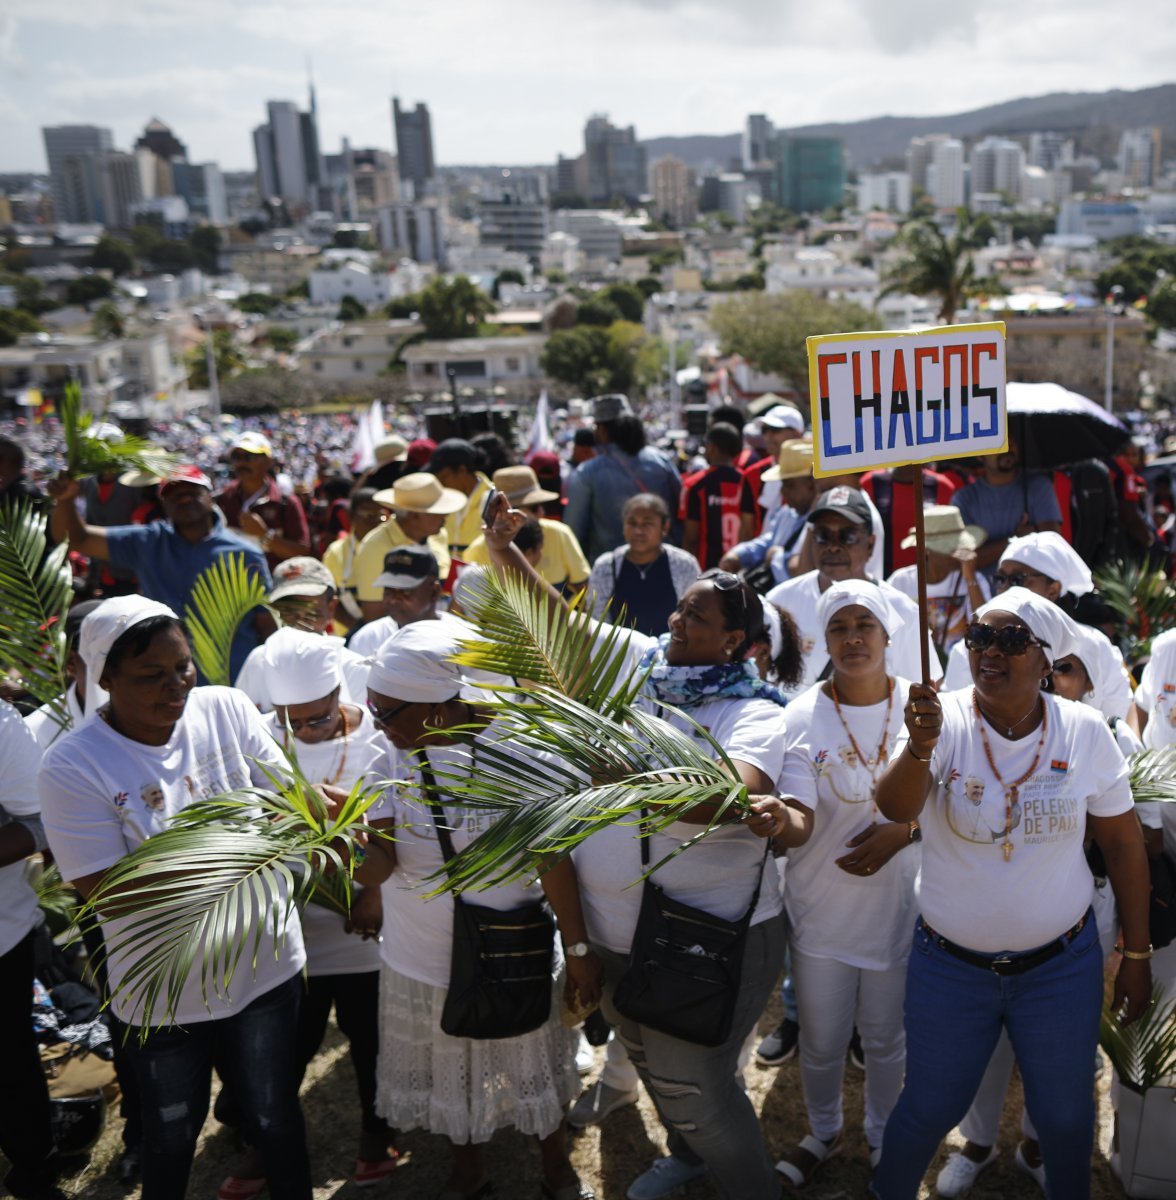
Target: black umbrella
{"type": "Point", "coordinates": [1054, 427]}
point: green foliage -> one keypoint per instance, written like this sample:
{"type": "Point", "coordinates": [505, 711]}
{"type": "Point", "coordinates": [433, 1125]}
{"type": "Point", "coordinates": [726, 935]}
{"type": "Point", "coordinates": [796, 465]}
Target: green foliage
{"type": "Point", "coordinates": [108, 323]}
{"type": "Point", "coordinates": [14, 322]}
{"type": "Point", "coordinates": [299, 291]}
{"type": "Point", "coordinates": [227, 354]}
{"type": "Point", "coordinates": [261, 303]}
{"type": "Point", "coordinates": [555, 275]}
{"type": "Point", "coordinates": [282, 338]}
{"type": "Point", "coordinates": [403, 307]}
{"type": "Point", "coordinates": [1143, 601]}
{"type": "Point", "coordinates": [627, 299]}
{"type": "Point", "coordinates": [510, 275]}
{"type": "Point", "coordinates": [1033, 226]}
{"type": "Point", "coordinates": [660, 259]}
{"type": "Point", "coordinates": [1144, 1052]}
{"type": "Point", "coordinates": [350, 309]}
{"type": "Point", "coordinates": [1138, 269]}
{"type": "Point", "coordinates": [89, 455]}
{"type": "Point", "coordinates": [1153, 776]}
{"type": "Point", "coordinates": [35, 593]}
{"type": "Point", "coordinates": [648, 285]}
{"type": "Point", "coordinates": [594, 359]}
{"type": "Point", "coordinates": [598, 311]}
{"type": "Point", "coordinates": [114, 255]}
{"type": "Point", "coordinates": [88, 288]}
{"type": "Point", "coordinates": [56, 899]}
{"type": "Point", "coordinates": [940, 266]}
{"type": "Point", "coordinates": [1161, 304]}
{"type": "Point", "coordinates": [205, 243]}
{"type": "Point", "coordinates": [223, 595]}
{"type": "Point", "coordinates": [161, 253]}
{"type": "Point", "coordinates": [770, 331]}
{"type": "Point", "coordinates": [453, 308]}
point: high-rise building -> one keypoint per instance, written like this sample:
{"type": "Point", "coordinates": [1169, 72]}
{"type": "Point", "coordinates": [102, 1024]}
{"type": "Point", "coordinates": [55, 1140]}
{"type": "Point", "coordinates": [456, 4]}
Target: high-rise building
{"type": "Point", "coordinates": [203, 187]}
{"type": "Point", "coordinates": [920, 153]}
{"type": "Point", "coordinates": [810, 172]}
{"type": "Point", "coordinates": [615, 160]}
{"type": "Point", "coordinates": [757, 141]}
{"type": "Point", "coordinates": [71, 179]}
{"type": "Point", "coordinates": [1139, 156]}
{"type": "Point", "coordinates": [372, 181]}
{"type": "Point", "coordinates": [945, 174]}
{"type": "Point", "coordinates": [1049, 150]}
{"type": "Point", "coordinates": [289, 163]}
{"type": "Point", "coordinates": [887, 190]}
{"type": "Point", "coordinates": [513, 222]}
{"type": "Point", "coordinates": [159, 139]}
{"type": "Point", "coordinates": [997, 166]}
{"type": "Point", "coordinates": [414, 146]}
{"type": "Point", "coordinates": [571, 175]}
{"type": "Point", "coordinates": [116, 178]}
{"type": "Point", "coordinates": [675, 192]}
{"type": "Point", "coordinates": [415, 231]}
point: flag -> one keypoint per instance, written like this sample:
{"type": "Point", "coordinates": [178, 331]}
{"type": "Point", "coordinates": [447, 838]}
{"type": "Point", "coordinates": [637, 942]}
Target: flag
{"type": "Point", "coordinates": [369, 430]}
{"type": "Point", "coordinates": [541, 438]}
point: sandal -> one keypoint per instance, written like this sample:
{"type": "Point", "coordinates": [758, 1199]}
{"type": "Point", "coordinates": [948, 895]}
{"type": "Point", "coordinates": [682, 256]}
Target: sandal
{"type": "Point", "coordinates": [236, 1187]}
{"type": "Point", "coordinates": [801, 1164]}
{"type": "Point", "coordinates": [569, 1191]}
{"type": "Point", "coordinates": [369, 1171]}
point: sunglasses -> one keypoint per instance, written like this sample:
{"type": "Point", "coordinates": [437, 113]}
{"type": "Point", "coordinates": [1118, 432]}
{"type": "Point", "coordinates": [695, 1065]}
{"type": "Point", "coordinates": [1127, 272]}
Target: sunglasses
{"type": "Point", "coordinates": [323, 722]}
{"type": "Point", "coordinates": [1016, 578]}
{"type": "Point", "coordinates": [841, 537]}
{"type": "Point", "coordinates": [725, 581]}
{"type": "Point", "coordinates": [1011, 640]}
{"type": "Point", "coordinates": [385, 716]}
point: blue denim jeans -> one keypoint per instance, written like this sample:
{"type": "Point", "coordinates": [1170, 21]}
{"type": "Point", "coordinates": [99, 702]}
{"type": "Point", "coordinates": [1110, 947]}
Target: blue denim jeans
{"type": "Point", "coordinates": [954, 1015]}
{"type": "Point", "coordinates": [255, 1050]}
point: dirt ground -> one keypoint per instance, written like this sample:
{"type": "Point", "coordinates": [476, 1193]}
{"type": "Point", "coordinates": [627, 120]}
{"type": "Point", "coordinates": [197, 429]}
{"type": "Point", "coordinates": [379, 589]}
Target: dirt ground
{"type": "Point", "coordinates": [608, 1157]}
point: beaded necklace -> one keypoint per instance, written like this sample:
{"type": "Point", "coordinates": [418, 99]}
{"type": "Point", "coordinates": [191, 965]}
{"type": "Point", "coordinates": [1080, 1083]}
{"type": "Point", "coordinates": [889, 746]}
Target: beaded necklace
{"type": "Point", "coordinates": [883, 745]}
{"type": "Point", "coordinates": [346, 734]}
{"type": "Point", "coordinates": [1011, 790]}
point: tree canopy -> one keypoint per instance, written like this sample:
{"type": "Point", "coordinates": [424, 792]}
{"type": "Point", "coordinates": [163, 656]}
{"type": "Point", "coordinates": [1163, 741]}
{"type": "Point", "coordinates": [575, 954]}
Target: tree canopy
{"type": "Point", "coordinates": [938, 265]}
{"type": "Point", "coordinates": [452, 308]}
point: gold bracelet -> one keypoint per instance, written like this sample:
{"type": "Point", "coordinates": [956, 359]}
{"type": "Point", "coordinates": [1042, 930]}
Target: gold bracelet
{"type": "Point", "coordinates": [1138, 955]}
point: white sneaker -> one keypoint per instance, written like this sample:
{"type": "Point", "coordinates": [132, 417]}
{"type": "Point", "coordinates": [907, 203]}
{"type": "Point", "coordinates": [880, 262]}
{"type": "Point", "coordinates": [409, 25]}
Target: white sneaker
{"type": "Point", "coordinates": [960, 1172]}
{"type": "Point", "coordinates": [585, 1056]}
{"type": "Point", "coordinates": [597, 1102]}
{"type": "Point", "coordinates": [1037, 1173]}
{"type": "Point", "coordinates": [664, 1178]}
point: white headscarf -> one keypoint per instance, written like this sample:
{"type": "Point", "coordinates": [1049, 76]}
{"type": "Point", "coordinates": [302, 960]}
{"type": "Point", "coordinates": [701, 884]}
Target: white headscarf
{"type": "Point", "coordinates": [300, 667]}
{"type": "Point", "coordinates": [1111, 693]}
{"type": "Point", "coordinates": [1043, 618]}
{"type": "Point", "coordinates": [774, 627]}
{"type": "Point", "coordinates": [102, 628]}
{"type": "Point", "coordinates": [856, 591]}
{"type": "Point", "coordinates": [414, 664]}
{"type": "Point", "coordinates": [1052, 555]}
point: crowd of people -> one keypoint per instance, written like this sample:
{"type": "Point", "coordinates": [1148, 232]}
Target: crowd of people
{"type": "Point", "coordinates": [937, 874]}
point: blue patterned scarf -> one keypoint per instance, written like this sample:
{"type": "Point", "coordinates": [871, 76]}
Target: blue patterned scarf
{"type": "Point", "coordinates": [688, 687]}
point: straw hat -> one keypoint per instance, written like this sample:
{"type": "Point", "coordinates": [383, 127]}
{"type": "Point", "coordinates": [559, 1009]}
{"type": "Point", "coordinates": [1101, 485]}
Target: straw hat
{"type": "Point", "coordinates": [795, 461]}
{"type": "Point", "coordinates": [945, 533]}
{"type": "Point", "coordinates": [520, 485]}
{"type": "Point", "coordinates": [392, 449]}
{"type": "Point", "coordinates": [422, 493]}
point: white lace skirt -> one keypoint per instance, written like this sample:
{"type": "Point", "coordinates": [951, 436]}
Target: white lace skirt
{"type": "Point", "coordinates": [462, 1088]}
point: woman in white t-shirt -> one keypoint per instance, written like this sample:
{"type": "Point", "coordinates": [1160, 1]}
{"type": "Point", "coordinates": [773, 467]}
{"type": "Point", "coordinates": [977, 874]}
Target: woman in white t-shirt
{"type": "Point", "coordinates": [849, 890]}
{"type": "Point", "coordinates": [463, 1088]}
{"type": "Point", "coordinates": [157, 746]}
{"type": "Point", "coordinates": [1006, 938]}
{"type": "Point", "coordinates": [701, 667]}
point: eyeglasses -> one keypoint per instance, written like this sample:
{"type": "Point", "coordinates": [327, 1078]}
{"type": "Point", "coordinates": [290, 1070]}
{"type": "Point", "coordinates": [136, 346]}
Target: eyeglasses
{"type": "Point", "coordinates": [843, 537]}
{"type": "Point", "coordinates": [385, 716]}
{"type": "Point", "coordinates": [725, 581]}
{"type": "Point", "coordinates": [1011, 640]}
{"type": "Point", "coordinates": [323, 722]}
{"type": "Point", "coordinates": [1016, 578]}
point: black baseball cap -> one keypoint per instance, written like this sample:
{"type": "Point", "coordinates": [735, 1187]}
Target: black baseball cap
{"type": "Point", "coordinates": [845, 502]}
{"type": "Point", "coordinates": [408, 567]}
{"type": "Point", "coordinates": [453, 452]}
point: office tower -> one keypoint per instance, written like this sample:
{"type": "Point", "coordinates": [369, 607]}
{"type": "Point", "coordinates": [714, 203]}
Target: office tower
{"type": "Point", "coordinates": [203, 187]}
{"type": "Point", "coordinates": [615, 161]}
{"type": "Point", "coordinates": [1049, 150]}
{"type": "Point", "coordinates": [887, 190]}
{"type": "Point", "coordinates": [1139, 156]}
{"type": "Point", "coordinates": [810, 172]}
{"type": "Point", "coordinates": [920, 153]}
{"type": "Point", "coordinates": [675, 193]}
{"type": "Point", "coordinates": [159, 139]}
{"type": "Point", "coordinates": [116, 180]}
{"type": "Point", "coordinates": [71, 177]}
{"type": "Point", "coordinates": [289, 164]}
{"type": "Point", "coordinates": [997, 166]}
{"type": "Point", "coordinates": [414, 145]}
{"type": "Point", "coordinates": [945, 174]}
{"type": "Point", "coordinates": [757, 140]}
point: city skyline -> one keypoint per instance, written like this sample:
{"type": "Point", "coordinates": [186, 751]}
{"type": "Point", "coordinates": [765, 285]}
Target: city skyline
{"type": "Point", "coordinates": [517, 85]}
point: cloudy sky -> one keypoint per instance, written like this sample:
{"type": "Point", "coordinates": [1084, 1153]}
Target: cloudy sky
{"type": "Point", "coordinates": [513, 80]}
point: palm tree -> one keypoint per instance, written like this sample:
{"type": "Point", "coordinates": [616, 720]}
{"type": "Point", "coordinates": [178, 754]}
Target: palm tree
{"type": "Point", "coordinates": [937, 265]}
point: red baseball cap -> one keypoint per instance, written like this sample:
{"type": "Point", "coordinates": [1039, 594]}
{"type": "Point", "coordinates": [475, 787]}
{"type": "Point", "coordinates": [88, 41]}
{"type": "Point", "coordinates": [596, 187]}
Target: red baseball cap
{"type": "Point", "coordinates": [186, 474]}
{"type": "Point", "coordinates": [420, 451]}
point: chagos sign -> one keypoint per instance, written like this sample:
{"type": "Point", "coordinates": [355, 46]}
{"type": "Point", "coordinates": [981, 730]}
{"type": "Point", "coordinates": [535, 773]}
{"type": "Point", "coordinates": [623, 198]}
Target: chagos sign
{"type": "Point", "coordinates": [884, 399]}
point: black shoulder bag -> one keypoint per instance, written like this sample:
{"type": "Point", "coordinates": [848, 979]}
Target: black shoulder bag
{"type": "Point", "coordinates": [685, 964]}
{"type": "Point", "coordinates": [500, 965]}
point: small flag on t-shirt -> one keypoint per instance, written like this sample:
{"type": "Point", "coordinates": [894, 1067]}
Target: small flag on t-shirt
{"type": "Point", "coordinates": [1060, 765]}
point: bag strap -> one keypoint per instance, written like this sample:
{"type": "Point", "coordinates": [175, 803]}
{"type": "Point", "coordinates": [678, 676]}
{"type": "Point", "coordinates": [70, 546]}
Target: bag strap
{"type": "Point", "coordinates": [630, 472]}
{"type": "Point", "coordinates": [435, 807]}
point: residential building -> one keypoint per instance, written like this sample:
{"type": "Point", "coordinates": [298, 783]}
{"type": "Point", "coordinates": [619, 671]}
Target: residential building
{"type": "Point", "coordinates": [414, 146]}
{"type": "Point", "coordinates": [600, 232]}
{"type": "Point", "coordinates": [945, 174]}
{"type": "Point", "coordinates": [810, 172]}
{"type": "Point", "coordinates": [738, 195]}
{"type": "Point", "coordinates": [167, 214]}
{"type": "Point", "coordinates": [920, 154]}
{"type": "Point", "coordinates": [363, 278]}
{"type": "Point", "coordinates": [67, 148]}
{"type": "Point", "coordinates": [510, 363]}
{"type": "Point", "coordinates": [1139, 156]}
{"type": "Point", "coordinates": [561, 252]}
{"type": "Point", "coordinates": [372, 182]}
{"type": "Point", "coordinates": [757, 141]}
{"type": "Point", "coordinates": [1049, 150]}
{"type": "Point", "coordinates": [356, 352]}
{"type": "Point", "coordinates": [997, 165]}
{"type": "Point", "coordinates": [888, 190]}
{"type": "Point", "coordinates": [821, 272]}
{"type": "Point", "coordinates": [267, 268]}
{"type": "Point", "coordinates": [675, 192]}
{"type": "Point", "coordinates": [202, 187]}
{"type": "Point", "coordinates": [615, 160]}
{"type": "Point", "coordinates": [416, 231]}
{"type": "Point", "coordinates": [1101, 219]}
{"type": "Point", "coordinates": [117, 184]}
{"type": "Point", "coordinates": [289, 164]}
{"type": "Point", "coordinates": [513, 224]}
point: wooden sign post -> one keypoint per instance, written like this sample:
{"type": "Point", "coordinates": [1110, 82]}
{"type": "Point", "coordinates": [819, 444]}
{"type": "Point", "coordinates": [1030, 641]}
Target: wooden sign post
{"type": "Point", "coordinates": [900, 398]}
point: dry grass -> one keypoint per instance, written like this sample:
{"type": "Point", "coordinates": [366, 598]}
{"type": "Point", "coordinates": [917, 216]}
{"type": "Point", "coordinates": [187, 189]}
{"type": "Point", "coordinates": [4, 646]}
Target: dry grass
{"type": "Point", "coordinates": [608, 1157]}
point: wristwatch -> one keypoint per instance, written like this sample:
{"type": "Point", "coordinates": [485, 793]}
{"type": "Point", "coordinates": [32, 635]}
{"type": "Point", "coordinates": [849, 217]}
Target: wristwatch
{"type": "Point", "coordinates": [578, 950]}
{"type": "Point", "coordinates": [915, 833]}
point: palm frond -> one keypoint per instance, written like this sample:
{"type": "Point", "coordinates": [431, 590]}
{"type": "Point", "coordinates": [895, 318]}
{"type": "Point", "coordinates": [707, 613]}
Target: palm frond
{"type": "Point", "coordinates": [525, 638]}
{"type": "Point", "coordinates": [1144, 600]}
{"type": "Point", "coordinates": [222, 597]}
{"type": "Point", "coordinates": [86, 454]}
{"type": "Point", "coordinates": [198, 890]}
{"type": "Point", "coordinates": [560, 771]}
{"type": "Point", "coordinates": [1152, 775]}
{"type": "Point", "coordinates": [55, 897]}
{"type": "Point", "coordinates": [35, 595]}
{"type": "Point", "coordinates": [1144, 1052]}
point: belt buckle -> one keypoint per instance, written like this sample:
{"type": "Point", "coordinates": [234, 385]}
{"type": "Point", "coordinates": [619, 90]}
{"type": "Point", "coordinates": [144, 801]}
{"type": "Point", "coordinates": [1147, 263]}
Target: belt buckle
{"type": "Point", "coordinates": [998, 965]}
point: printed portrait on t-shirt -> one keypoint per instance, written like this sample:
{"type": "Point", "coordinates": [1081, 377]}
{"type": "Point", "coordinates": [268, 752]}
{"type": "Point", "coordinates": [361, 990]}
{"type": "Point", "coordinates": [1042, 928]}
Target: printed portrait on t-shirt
{"type": "Point", "coordinates": [965, 808]}
{"type": "Point", "coordinates": [152, 796]}
{"type": "Point", "coordinates": [842, 776]}
{"type": "Point", "coordinates": [1042, 807]}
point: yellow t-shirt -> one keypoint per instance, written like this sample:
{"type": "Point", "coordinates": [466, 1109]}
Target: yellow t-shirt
{"type": "Point", "coordinates": [562, 563]}
{"type": "Point", "coordinates": [465, 526]}
{"type": "Point", "coordinates": [368, 564]}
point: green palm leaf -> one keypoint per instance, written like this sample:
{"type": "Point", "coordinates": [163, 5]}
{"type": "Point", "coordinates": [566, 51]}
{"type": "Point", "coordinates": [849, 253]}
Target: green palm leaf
{"type": "Point", "coordinates": [195, 890]}
{"type": "Point", "coordinates": [1144, 1052]}
{"type": "Point", "coordinates": [1152, 775]}
{"type": "Point", "coordinates": [222, 597]}
{"type": "Point", "coordinates": [35, 593]}
{"type": "Point", "coordinates": [89, 455]}
{"type": "Point", "coordinates": [1143, 599]}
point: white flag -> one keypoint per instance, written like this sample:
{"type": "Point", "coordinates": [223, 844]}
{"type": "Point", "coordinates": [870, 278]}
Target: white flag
{"type": "Point", "coordinates": [541, 438]}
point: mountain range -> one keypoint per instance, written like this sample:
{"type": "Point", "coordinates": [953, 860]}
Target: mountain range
{"type": "Point", "coordinates": [1094, 119]}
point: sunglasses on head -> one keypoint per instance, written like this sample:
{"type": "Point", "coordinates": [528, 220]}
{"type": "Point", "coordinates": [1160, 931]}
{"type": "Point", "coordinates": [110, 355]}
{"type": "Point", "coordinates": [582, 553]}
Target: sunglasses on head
{"type": "Point", "coordinates": [385, 716]}
{"type": "Point", "coordinates": [842, 537]}
{"type": "Point", "coordinates": [1016, 578]}
{"type": "Point", "coordinates": [725, 581]}
{"type": "Point", "coordinates": [1013, 640]}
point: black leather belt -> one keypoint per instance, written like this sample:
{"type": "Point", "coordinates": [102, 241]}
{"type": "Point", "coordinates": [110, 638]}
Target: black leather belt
{"type": "Point", "coordinates": [1008, 964]}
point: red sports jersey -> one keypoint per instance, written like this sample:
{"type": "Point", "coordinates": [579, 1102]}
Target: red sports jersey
{"type": "Point", "coordinates": [716, 499]}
